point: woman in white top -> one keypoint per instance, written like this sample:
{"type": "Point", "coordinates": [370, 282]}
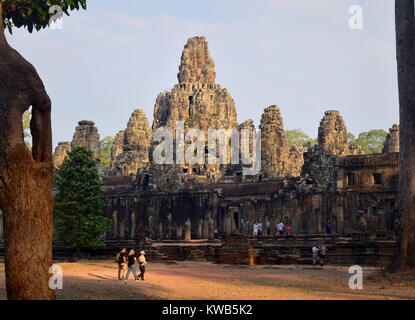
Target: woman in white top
{"type": "Point", "coordinates": [142, 265]}
{"type": "Point", "coordinates": [255, 229]}
{"type": "Point", "coordinates": [315, 255]}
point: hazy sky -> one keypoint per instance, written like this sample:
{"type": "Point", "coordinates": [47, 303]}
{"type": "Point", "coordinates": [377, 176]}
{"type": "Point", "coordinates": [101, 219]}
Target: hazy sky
{"type": "Point", "coordinates": [299, 54]}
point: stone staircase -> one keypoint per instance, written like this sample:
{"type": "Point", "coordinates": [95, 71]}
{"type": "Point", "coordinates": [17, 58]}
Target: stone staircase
{"type": "Point", "coordinates": [243, 250]}
{"type": "Point", "coordinates": [280, 250]}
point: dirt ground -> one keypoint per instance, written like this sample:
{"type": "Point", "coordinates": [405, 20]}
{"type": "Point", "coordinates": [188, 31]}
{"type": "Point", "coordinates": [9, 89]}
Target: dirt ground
{"type": "Point", "coordinates": [205, 281]}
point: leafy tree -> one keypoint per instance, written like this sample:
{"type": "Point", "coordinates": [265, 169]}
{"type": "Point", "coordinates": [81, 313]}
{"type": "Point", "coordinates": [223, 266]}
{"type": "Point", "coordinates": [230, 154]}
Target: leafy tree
{"type": "Point", "coordinates": [297, 136]}
{"type": "Point", "coordinates": [106, 144]}
{"type": "Point", "coordinates": [79, 202]}
{"type": "Point", "coordinates": [35, 14]}
{"type": "Point", "coordinates": [26, 177]}
{"type": "Point", "coordinates": [351, 138]}
{"type": "Point", "coordinates": [372, 141]}
{"type": "Point", "coordinates": [27, 116]}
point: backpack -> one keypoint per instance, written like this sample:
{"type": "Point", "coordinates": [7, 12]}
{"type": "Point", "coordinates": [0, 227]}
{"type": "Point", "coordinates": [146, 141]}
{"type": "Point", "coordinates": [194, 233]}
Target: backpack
{"type": "Point", "coordinates": [118, 257]}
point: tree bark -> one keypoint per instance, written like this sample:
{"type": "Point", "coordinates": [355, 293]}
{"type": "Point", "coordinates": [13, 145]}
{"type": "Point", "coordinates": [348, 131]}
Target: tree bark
{"type": "Point", "coordinates": [405, 45]}
{"type": "Point", "coordinates": [25, 177]}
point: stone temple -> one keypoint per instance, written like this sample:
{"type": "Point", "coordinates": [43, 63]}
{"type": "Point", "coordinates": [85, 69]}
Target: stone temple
{"type": "Point", "coordinates": [302, 186]}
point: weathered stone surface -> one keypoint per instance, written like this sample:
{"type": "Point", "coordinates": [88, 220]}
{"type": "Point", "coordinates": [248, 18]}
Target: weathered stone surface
{"type": "Point", "coordinates": [246, 153]}
{"type": "Point", "coordinates": [61, 151]}
{"type": "Point", "coordinates": [320, 160]}
{"type": "Point", "coordinates": [197, 66]}
{"type": "Point", "coordinates": [275, 152]}
{"type": "Point", "coordinates": [319, 167]}
{"type": "Point", "coordinates": [332, 134]}
{"type": "Point", "coordinates": [117, 147]}
{"type": "Point", "coordinates": [303, 187]}
{"type": "Point", "coordinates": [199, 103]}
{"type": "Point", "coordinates": [86, 135]}
{"type": "Point", "coordinates": [300, 202]}
{"type": "Point", "coordinates": [138, 132]}
{"type": "Point", "coordinates": [296, 159]}
{"type": "Point", "coordinates": [248, 125]}
{"type": "Point", "coordinates": [355, 149]}
{"type": "Point", "coordinates": [135, 148]}
{"type": "Point", "coordinates": [197, 100]}
{"type": "Point", "coordinates": [392, 140]}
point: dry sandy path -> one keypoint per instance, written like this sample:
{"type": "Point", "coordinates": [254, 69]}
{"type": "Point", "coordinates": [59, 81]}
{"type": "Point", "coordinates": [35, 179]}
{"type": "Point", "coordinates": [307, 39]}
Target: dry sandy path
{"type": "Point", "coordinates": [201, 280]}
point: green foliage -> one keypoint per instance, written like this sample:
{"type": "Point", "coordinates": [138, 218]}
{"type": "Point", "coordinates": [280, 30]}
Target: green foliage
{"type": "Point", "coordinates": [79, 202]}
{"type": "Point", "coordinates": [106, 144]}
{"type": "Point", "coordinates": [27, 116]}
{"type": "Point", "coordinates": [34, 14]}
{"type": "Point", "coordinates": [351, 138]}
{"type": "Point", "coordinates": [297, 136]}
{"type": "Point", "coordinates": [371, 141]}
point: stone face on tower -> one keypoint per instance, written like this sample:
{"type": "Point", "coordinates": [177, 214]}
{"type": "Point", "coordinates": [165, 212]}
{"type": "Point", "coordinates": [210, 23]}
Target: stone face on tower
{"type": "Point", "coordinates": [392, 140]}
{"type": "Point", "coordinates": [199, 103]}
{"type": "Point", "coordinates": [275, 153]}
{"type": "Point", "coordinates": [332, 136]}
{"type": "Point", "coordinates": [61, 151]}
{"type": "Point", "coordinates": [86, 135]}
{"type": "Point", "coordinates": [196, 99]}
{"type": "Point", "coordinates": [196, 64]}
{"type": "Point", "coordinates": [130, 151]}
{"type": "Point", "coordinates": [117, 147]}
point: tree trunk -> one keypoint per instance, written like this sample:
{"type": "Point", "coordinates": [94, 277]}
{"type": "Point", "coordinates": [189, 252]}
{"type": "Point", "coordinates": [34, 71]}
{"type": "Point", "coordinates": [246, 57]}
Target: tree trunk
{"type": "Point", "coordinates": [405, 44]}
{"type": "Point", "coordinates": [25, 177]}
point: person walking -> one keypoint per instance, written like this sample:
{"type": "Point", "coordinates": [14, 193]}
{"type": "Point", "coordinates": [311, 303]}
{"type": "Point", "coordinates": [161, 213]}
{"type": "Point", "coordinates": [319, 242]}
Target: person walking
{"type": "Point", "coordinates": [315, 255]}
{"type": "Point", "coordinates": [322, 252]}
{"type": "Point", "coordinates": [142, 265]}
{"type": "Point", "coordinates": [132, 266]}
{"type": "Point", "coordinates": [329, 226]}
{"type": "Point", "coordinates": [280, 228]}
{"type": "Point", "coordinates": [255, 233]}
{"type": "Point", "coordinates": [288, 229]}
{"type": "Point", "coordinates": [260, 229]}
{"type": "Point", "coordinates": [122, 264]}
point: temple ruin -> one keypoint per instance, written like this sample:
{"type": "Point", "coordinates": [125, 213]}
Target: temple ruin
{"type": "Point", "coordinates": [304, 186]}
{"type": "Point", "coordinates": [86, 135]}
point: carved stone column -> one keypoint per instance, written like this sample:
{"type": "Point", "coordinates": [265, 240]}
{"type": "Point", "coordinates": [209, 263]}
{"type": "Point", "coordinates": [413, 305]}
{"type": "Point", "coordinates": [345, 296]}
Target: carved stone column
{"type": "Point", "coordinates": [188, 230]}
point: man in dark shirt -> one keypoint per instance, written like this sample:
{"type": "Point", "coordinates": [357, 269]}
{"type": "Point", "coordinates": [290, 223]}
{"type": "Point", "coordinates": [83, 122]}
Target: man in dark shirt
{"type": "Point", "coordinates": [328, 226]}
{"type": "Point", "coordinates": [122, 264]}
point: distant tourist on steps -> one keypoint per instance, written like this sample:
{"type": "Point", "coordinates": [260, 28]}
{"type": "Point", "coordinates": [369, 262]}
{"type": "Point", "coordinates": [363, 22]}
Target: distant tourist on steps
{"type": "Point", "coordinates": [322, 253]}
{"type": "Point", "coordinates": [142, 265]}
{"type": "Point", "coordinates": [315, 255]}
{"type": "Point", "coordinates": [255, 229]}
{"type": "Point", "coordinates": [288, 229]}
{"type": "Point", "coordinates": [329, 225]}
{"type": "Point", "coordinates": [260, 229]}
{"type": "Point", "coordinates": [280, 228]}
